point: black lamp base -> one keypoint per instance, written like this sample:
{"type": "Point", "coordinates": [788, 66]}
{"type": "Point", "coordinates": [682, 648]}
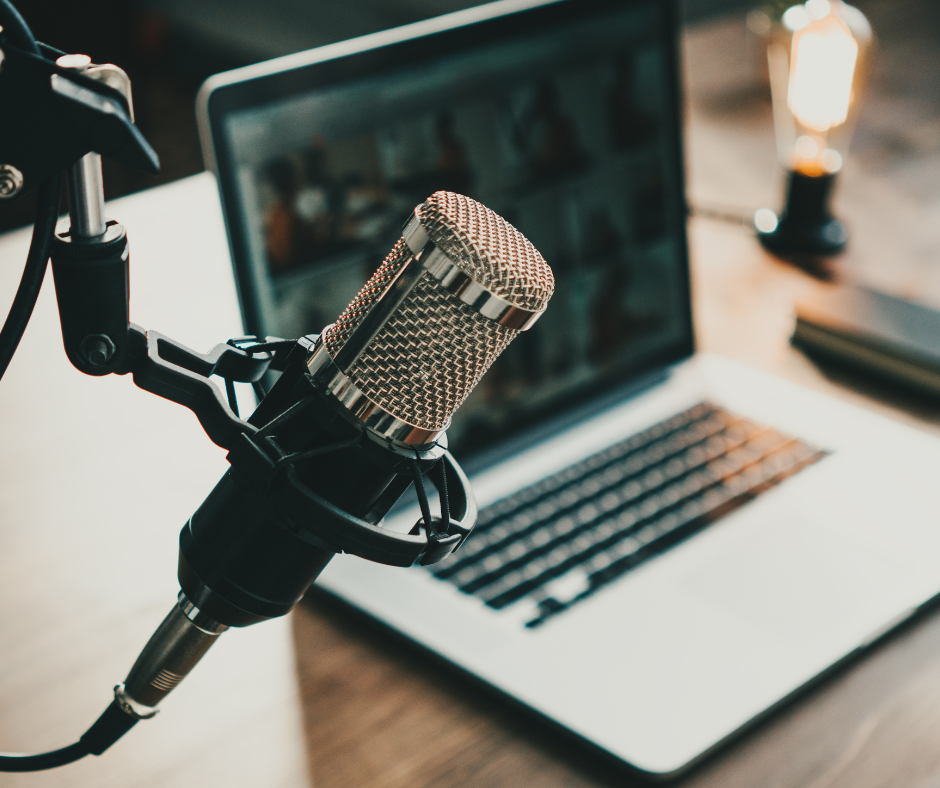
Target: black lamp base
{"type": "Point", "coordinates": [806, 227]}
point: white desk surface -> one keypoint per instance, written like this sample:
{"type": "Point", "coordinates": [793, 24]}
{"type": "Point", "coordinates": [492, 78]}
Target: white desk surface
{"type": "Point", "coordinates": [96, 479]}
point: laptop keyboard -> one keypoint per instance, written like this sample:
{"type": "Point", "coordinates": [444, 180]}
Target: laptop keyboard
{"type": "Point", "coordinates": [554, 543]}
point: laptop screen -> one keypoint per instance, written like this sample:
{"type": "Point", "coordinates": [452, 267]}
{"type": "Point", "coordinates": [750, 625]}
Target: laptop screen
{"type": "Point", "coordinates": [564, 122]}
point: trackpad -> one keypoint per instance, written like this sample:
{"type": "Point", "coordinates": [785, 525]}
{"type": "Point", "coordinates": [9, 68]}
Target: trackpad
{"type": "Point", "coordinates": [800, 580]}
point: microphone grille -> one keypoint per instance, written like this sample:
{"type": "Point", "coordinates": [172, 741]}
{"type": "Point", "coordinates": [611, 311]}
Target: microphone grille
{"type": "Point", "coordinates": [434, 349]}
{"type": "Point", "coordinates": [480, 242]}
{"type": "Point", "coordinates": [337, 334]}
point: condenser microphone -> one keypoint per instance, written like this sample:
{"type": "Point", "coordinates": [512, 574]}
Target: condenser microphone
{"type": "Point", "coordinates": [358, 417]}
{"type": "Point", "coordinates": [455, 290]}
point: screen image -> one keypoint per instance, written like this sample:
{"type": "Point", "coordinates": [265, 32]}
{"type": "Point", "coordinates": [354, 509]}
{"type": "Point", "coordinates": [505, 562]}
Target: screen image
{"type": "Point", "coordinates": [567, 134]}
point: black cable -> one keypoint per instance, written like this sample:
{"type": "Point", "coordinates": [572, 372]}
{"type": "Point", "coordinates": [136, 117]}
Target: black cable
{"type": "Point", "coordinates": [108, 728]}
{"type": "Point", "coordinates": [16, 28]}
{"type": "Point", "coordinates": [723, 213]}
{"type": "Point", "coordinates": [47, 214]}
{"type": "Point", "coordinates": [115, 722]}
{"type": "Point", "coordinates": [40, 761]}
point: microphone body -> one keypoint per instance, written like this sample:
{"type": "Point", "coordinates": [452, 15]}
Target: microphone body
{"type": "Point", "coordinates": [356, 418]}
{"type": "Point", "coordinates": [245, 555]}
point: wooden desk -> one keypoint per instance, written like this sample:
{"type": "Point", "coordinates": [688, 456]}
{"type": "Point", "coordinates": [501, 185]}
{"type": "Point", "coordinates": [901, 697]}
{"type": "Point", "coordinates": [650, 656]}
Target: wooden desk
{"type": "Point", "coordinates": [87, 554]}
{"type": "Point", "coordinates": [377, 714]}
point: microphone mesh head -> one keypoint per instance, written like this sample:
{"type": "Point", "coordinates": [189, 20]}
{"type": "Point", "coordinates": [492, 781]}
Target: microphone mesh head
{"type": "Point", "coordinates": [433, 350]}
{"type": "Point", "coordinates": [487, 248]}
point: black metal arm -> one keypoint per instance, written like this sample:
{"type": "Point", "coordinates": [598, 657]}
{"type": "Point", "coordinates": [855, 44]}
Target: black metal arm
{"type": "Point", "coordinates": [93, 292]}
{"type": "Point", "coordinates": [267, 529]}
{"type": "Point", "coordinates": [52, 116]}
{"type": "Point", "coordinates": [170, 370]}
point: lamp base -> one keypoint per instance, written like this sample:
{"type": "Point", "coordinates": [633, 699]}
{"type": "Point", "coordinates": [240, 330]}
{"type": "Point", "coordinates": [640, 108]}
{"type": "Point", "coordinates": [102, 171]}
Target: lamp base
{"type": "Point", "coordinates": [821, 240]}
{"type": "Point", "coordinates": [806, 226]}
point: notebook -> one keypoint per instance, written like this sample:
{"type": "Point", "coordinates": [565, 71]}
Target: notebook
{"type": "Point", "coordinates": [874, 332]}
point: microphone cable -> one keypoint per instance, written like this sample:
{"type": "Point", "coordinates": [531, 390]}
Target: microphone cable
{"type": "Point", "coordinates": [40, 247]}
{"type": "Point", "coordinates": [16, 28]}
{"type": "Point", "coordinates": [108, 728]}
{"type": "Point", "coordinates": [115, 722]}
{"type": "Point", "coordinates": [47, 214]}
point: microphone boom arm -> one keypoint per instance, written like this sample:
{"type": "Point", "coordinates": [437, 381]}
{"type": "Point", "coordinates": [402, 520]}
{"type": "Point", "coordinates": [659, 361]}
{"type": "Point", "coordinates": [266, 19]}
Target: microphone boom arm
{"type": "Point", "coordinates": [54, 115]}
{"type": "Point", "coordinates": [169, 369]}
{"type": "Point", "coordinates": [61, 113]}
{"type": "Point", "coordinates": [92, 288]}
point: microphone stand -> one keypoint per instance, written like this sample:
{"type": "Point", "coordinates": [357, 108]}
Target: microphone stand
{"type": "Point", "coordinates": [60, 113]}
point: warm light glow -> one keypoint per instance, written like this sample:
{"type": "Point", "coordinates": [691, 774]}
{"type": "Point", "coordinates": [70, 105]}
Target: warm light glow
{"type": "Point", "coordinates": [831, 160]}
{"type": "Point", "coordinates": [796, 17]}
{"type": "Point", "coordinates": [822, 66]}
{"type": "Point", "coordinates": [806, 147]}
{"type": "Point", "coordinates": [817, 9]}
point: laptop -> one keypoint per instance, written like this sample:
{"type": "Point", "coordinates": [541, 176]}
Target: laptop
{"type": "Point", "coordinates": [669, 545]}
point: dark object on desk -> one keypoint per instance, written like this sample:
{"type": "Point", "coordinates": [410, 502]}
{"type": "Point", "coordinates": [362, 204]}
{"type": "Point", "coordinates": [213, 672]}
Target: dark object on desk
{"type": "Point", "coordinates": [806, 226]}
{"type": "Point", "coordinates": [874, 332]}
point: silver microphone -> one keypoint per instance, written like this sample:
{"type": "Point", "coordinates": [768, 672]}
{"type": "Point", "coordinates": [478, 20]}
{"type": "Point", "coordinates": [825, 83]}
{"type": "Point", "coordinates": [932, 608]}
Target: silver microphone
{"type": "Point", "coordinates": [455, 290]}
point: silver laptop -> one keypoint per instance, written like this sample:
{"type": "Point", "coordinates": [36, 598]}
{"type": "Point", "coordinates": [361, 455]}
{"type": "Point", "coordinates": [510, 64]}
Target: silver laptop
{"type": "Point", "coordinates": [669, 545]}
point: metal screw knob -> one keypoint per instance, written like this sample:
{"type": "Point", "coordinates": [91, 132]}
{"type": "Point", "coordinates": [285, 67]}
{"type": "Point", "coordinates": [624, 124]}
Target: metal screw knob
{"type": "Point", "coordinates": [97, 349]}
{"type": "Point", "coordinates": [77, 62]}
{"type": "Point", "coordinates": [11, 181]}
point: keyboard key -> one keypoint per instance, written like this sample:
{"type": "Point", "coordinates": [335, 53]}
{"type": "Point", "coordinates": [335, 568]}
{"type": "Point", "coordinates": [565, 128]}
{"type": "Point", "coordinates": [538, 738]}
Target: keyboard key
{"type": "Point", "coordinates": [557, 541]}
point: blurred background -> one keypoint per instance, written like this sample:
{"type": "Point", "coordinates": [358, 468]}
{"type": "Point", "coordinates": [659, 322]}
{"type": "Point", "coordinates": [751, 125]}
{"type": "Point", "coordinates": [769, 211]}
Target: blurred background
{"type": "Point", "coordinates": [169, 47]}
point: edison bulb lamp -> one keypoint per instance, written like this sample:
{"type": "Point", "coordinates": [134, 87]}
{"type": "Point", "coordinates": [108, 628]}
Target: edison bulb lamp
{"type": "Point", "coordinates": [817, 54]}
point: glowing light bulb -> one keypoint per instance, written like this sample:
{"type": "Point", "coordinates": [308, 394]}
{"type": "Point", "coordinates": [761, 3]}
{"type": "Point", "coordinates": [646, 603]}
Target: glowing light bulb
{"type": "Point", "coordinates": [823, 56]}
{"type": "Point", "coordinates": [817, 58]}
{"type": "Point", "coordinates": [817, 9]}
